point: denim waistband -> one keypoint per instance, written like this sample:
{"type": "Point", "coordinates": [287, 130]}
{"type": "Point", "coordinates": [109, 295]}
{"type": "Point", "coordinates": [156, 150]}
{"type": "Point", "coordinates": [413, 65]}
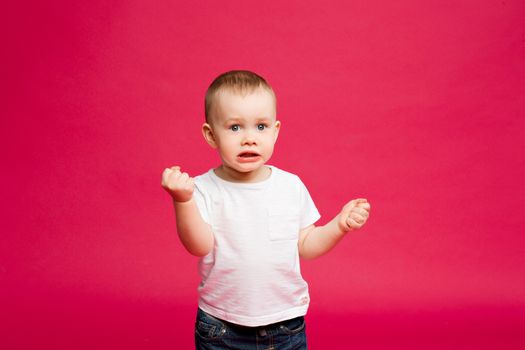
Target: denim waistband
{"type": "Point", "coordinates": [289, 324]}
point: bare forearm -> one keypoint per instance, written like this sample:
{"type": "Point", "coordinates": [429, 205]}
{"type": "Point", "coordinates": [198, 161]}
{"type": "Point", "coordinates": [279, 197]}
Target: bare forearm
{"type": "Point", "coordinates": [316, 241]}
{"type": "Point", "coordinates": [194, 233]}
{"type": "Point", "coordinates": [320, 240]}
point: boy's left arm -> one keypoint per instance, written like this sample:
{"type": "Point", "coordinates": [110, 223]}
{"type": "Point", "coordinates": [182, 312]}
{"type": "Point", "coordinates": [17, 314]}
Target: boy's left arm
{"type": "Point", "coordinates": [315, 241]}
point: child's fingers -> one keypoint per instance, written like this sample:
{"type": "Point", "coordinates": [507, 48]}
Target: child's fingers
{"type": "Point", "coordinates": [357, 217]}
{"type": "Point", "coordinates": [171, 176]}
{"type": "Point", "coordinates": [356, 202]}
{"type": "Point", "coordinates": [365, 206]}
{"type": "Point", "coordinates": [166, 175]}
{"type": "Point", "coordinates": [352, 223]}
{"type": "Point", "coordinates": [175, 171]}
{"type": "Point", "coordinates": [169, 171]}
{"type": "Point", "coordinates": [361, 211]}
{"type": "Point", "coordinates": [178, 184]}
{"type": "Point", "coordinates": [182, 180]}
{"type": "Point", "coordinates": [355, 213]}
{"type": "Point", "coordinates": [353, 204]}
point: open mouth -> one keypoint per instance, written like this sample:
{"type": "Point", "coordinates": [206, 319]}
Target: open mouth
{"type": "Point", "coordinates": [248, 155]}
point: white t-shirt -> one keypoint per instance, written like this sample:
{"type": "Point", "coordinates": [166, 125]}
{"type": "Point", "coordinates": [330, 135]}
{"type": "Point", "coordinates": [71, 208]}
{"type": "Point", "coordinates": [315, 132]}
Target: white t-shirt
{"type": "Point", "coordinates": [252, 276]}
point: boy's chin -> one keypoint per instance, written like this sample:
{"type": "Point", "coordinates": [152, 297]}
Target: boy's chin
{"type": "Point", "coordinates": [246, 168]}
{"type": "Point", "coordinates": [249, 169]}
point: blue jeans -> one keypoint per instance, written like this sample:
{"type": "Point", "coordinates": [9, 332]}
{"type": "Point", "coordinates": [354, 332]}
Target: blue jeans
{"type": "Point", "coordinates": [214, 334]}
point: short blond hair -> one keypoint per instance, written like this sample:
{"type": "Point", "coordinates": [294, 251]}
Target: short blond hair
{"type": "Point", "coordinates": [241, 81]}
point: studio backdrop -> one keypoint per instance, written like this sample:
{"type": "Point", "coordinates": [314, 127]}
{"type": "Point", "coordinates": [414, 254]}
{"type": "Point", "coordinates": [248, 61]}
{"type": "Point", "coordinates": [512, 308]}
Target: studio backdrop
{"type": "Point", "coordinates": [417, 106]}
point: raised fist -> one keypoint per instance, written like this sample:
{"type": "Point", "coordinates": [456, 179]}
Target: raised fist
{"type": "Point", "coordinates": [179, 185]}
{"type": "Point", "coordinates": [354, 214]}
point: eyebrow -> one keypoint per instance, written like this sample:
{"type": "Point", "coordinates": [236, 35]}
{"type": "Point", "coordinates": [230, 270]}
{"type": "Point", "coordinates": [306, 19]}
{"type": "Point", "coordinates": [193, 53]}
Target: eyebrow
{"type": "Point", "coordinates": [239, 120]}
{"type": "Point", "coordinates": [233, 120]}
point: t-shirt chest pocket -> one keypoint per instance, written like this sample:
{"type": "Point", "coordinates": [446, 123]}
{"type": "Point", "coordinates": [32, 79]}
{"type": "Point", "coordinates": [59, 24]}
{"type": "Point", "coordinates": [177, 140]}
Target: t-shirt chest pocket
{"type": "Point", "coordinates": [283, 223]}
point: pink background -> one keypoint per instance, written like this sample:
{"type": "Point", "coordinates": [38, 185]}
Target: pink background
{"type": "Point", "coordinates": [418, 106]}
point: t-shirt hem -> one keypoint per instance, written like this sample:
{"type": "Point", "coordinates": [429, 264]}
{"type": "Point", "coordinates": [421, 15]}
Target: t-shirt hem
{"type": "Point", "coordinates": [254, 321]}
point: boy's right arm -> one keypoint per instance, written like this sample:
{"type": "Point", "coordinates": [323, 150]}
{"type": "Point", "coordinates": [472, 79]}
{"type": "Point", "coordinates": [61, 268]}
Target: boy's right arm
{"type": "Point", "coordinates": [194, 233]}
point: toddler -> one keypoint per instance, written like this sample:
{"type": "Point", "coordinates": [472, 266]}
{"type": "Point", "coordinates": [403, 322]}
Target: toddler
{"type": "Point", "coordinates": [250, 222]}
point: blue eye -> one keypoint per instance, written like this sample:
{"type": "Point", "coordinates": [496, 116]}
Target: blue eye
{"type": "Point", "coordinates": [235, 127]}
{"type": "Point", "coordinates": [261, 127]}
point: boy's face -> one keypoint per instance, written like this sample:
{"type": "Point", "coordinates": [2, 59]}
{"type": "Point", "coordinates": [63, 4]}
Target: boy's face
{"type": "Point", "coordinates": [243, 129]}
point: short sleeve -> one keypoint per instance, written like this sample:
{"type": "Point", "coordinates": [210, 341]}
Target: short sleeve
{"type": "Point", "coordinates": [200, 200]}
{"type": "Point", "coordinates": [309, 212]}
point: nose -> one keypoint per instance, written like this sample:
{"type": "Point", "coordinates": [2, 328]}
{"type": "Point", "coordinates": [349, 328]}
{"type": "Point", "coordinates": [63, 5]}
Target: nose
{"type": "Point", "coordinates": [249, 139]}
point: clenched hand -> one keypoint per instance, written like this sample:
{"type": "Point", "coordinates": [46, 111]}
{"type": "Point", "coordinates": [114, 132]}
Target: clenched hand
{"type": "Point", "coordinates": [354, 215]}
{"type": "Point", "coordinates": [178, 184]}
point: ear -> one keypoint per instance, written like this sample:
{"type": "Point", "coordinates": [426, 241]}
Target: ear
{"type": "Point", "coordinates": [277, 128]}
{"type": "Point", "coordinates": [207, 132]}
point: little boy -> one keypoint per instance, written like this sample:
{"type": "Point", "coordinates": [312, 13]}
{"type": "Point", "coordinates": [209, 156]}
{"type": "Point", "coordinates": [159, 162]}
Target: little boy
{"type": "Point", "coordinates": [250, 222]}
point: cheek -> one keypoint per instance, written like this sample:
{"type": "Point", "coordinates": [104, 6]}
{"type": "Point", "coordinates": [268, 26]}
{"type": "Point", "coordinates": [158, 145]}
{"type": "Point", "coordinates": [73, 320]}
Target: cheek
{"type": "Point", "coordinates": [227, 147]}
{"type": "Point", "coordinates": [269, 145]}
{"type": "Point", "coordinates": [271, 139]}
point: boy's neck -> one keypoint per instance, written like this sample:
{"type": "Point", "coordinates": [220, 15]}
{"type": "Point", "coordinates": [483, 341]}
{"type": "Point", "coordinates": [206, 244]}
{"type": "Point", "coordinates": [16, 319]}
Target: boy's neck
{"type": "Point", "coordinates": [232, 175]}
